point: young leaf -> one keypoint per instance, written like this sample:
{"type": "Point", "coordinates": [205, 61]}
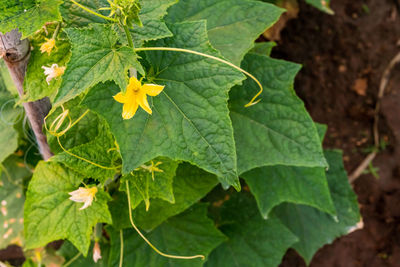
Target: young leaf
{"type": "Point", "coordinates": [252, 241]}
{"type": "Point", "coordinates": [189, 233]}
{"type": "Point", "coordinates": [95, 59]}
{"type": "Point", "coordinates": [190, 119]}
{"type": "Point", "coordinates": [315, 228]}
{"type": "Point", "coordinates": [12, 199]}
{"type": "Point", "coordinates": [321, 5]}
{"type": "Point", "coordinates": [190, 185]}
{"type": "Point", "coordinates": [142, 186]}
{"type": "Point", "coordinates": [101, 151]}
{"type": "Point", "coordinates": [232, 25]}
{"type": "Point", "coordinates": [277, 130]}
{"type": "Point", "coordinates": [50, 215]}
{"type": "Point", "coordinates": [30, 18]}
{"type": "Point", "coordinates": [35, 84]}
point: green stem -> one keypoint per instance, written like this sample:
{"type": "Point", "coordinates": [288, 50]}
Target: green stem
{"type": "Point", "coordinates": [72, 260]}
{"type": "Point", "coordinates": [121, 255]}
{"type": "Point", "coordinates": [56, 31]}
{"type": "Point", "coordinates": [253, 101]}
{"type": "Point", "coordinates": [93, 12]}
{"type": "Point", "coordinates": [128, 36]}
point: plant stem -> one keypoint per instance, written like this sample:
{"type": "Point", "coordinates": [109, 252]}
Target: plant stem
{"type": "Point", "coordinates": [121, 254]}
{"type": "Point", "coordinates": [253, 101]}
{"type": "Point", "coordinates": [93, 12]}
{"type": "Point", "coordinates": [72, 260]}
{"type": "Point", "coordinates": [57, 30]}
{"type": "Point", "coordinates": [128, 36]}
{"type": "Point", "coordinates": [16, 56]}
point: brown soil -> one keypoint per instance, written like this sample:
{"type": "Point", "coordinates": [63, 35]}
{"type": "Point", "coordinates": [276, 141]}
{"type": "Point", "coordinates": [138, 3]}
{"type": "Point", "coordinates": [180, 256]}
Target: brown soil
{"type": "Point", "coordinates": [344, 57]}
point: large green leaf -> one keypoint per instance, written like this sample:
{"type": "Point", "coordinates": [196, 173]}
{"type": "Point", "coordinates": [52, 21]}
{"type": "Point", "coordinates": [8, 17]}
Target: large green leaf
{"type": "Point", "coordinates": [315, 228]}
{"type": "Point", "coordinates": [35, 84]}
{"type": "Point", "coordinates": [142, 186]}
{"type": "Point", "coordinates": [12, 199]}
{"type": "Point", "coordinates": [252, 241]}
{"type": "Point", "coordinates": [233, 25]}
{"type": "Point", "coordinates": [190, 185]}
{"type": "Point", "coordinates": [277, 130]}
{"type": "Point", "coordinates": [95, 59]}
{"type": "Point", "coordinates": [50, 215]}
{"type": "Point", "coordinates": [101, 151]}
{"type": "Point", "coordinates": [8, 117]}
{"type": "Point", "coordinates": [190, 119]}
{"type": "Point", "coordinates": [273, 185]}
{"type": "Point", "coordinates": [189, 233]}
{"type": "Point", "coordinates": [28, 16]}
{"type": "Point", "coordinates": [151, 15]}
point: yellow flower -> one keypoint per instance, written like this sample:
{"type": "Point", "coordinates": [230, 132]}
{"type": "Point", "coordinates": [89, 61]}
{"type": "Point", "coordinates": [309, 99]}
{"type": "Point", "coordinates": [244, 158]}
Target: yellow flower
{"type": "Point", "coordinates": [83, 194]}
{"type": "Point", "coordinates": [53, 72]}
{"type": "Point", "coordinates": [135, 96]}
{"type": "Point", "coordinates": [48, 46]}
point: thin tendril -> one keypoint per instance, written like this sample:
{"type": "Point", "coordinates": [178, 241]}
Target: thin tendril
{"type": "Point", "coordinates": [56, 31]}
{"type": "Point", "coordinates": [147, 241]}
{"type": "Point", "coordinates": [253, 101]}
{"type": "Point", "coordinates": [121, 254]}
{"type": "Point", "coordinates": [93, 12]}
{"type": "Point", "coordinates": [72, 260]}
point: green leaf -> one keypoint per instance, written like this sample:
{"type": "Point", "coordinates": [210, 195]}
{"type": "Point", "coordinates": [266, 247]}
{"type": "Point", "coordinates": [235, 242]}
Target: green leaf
{"type": "Point", "coordinates": [264, 48]}
{"type": "Point", "coordinates": [151, 16]}
{"type": "Point", "coordinates": [95, 59]}
{"type": "Point", "coordinates": [278, 130]}
{"type": "Point", "coordinates": [101, 151]}
{"type": "Point", "coordinates": [35, 84]}
{"type": "Point", "coordinates": [252, 241]}
{"type": "Point", "coordinates": [190, 118]}
{"type": "Point", "coordinates": [189, 233]}
{"type": "Point", "coordinates": [233, 25]}
{"type": "Point", "coordinates": [321, 5]}
{"type": "Point", "coordinates": [190, 185]}
{"type": "Point", "coordinates": [273, 185]}
{"type": "Point", "coordinates": [50, 215]}
{"type": "Point", "coordinates": [12, 199]}
{"type": "Point", "coordinates": [7, 82]}
{"type": "Point", "coordinates": [30, 18]}
{"type": "Point", "coordinates": [8, 117]}
{"type": "Point", "coordinates": [315, 228]}
{"type": "Point", "coordinates": [142, 186]}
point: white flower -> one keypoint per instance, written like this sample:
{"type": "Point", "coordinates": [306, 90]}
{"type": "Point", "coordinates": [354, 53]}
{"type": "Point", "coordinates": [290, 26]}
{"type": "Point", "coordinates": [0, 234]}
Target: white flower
{"type": "Point", "coordinates": [53, 72]}
{"type": "Point", "coordinates": [96, 252]}
{"type": "Point", "coordinates": [83, 194]}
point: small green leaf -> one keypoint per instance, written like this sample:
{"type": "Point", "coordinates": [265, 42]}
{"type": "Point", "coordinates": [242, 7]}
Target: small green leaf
{"type": "Point", "coordinates": [50, 215]}
{"type": "Point", "coordinates": [190, 233]}
{"type": "Point", "coordinates": [35, 84]}
{"type": "Point", "coordinates": [233, 25]}
{"type": "Point", "coordinates": [278, 130]}
{"type": "Point", "coordinates": [142, 187]}
{"type": "Point", "coordinates": [190, 119]}
{"type": "Point", "coordinates": [100, 151]}
{"type": "Point", "coordinates": [30, 18]}
{"type": "Point", "coordinates": [252, 241]}
{"type": "Point", "coordinates": [321, 5]}
{"type": "Point", "coordinates": [315, 228]}
{"type": "Point", "coordinates": [190, 185]}
{"type": "Point", "coordinates": [95, 59]}
{"type": "Point", "coordinates": [12, 199]}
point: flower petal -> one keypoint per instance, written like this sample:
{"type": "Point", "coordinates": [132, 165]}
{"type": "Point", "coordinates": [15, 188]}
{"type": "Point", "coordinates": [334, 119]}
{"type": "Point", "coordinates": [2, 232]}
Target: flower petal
{"type": "Point", "coordinates": [142, 101]}
{"type": "Point", "coordinates": [120, 97]}
{"type": "Point", "coordinates": [129, 110]}
{"type": "Point", "coordinates": [152, 89]}
{"type": "Point", "coordinates": [134, 84]}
